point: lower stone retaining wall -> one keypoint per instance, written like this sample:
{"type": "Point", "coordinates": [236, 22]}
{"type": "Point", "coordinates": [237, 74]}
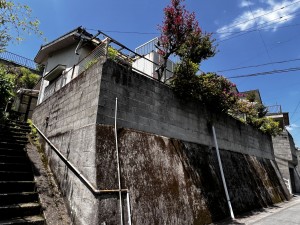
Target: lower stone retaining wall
{"type": "Point", "coordinates": [177, 182]}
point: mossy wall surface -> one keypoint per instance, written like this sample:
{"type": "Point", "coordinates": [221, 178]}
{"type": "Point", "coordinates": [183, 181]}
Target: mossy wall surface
{"type": "Point", "coordinates": [176, 182]}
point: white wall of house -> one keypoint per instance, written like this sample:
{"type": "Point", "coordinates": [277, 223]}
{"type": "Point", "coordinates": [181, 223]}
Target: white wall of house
{"type": "Point", "coordinates": [65, 56]}
{"type": "Point", "coordinates": [149, 68]}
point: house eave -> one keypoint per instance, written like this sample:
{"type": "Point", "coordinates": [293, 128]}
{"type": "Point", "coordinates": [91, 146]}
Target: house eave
{"type": "Point", "coordinates": [62, 42]}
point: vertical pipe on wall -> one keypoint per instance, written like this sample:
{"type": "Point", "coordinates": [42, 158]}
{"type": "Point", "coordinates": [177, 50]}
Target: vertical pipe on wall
{"type": "Point", "coordinates": [128, 208]}
{"type": "Point", "coordinates": [118, 165]}
{"type": "Point", "coordinates": [222, 172]}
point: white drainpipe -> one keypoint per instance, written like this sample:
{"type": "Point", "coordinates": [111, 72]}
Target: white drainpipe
{"type": "Point", "coordinates": [222, 173]}
{"type": "Point", "coordinates": [118, 165]}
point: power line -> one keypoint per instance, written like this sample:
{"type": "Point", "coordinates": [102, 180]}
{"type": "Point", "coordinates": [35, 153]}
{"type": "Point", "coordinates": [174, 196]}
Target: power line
{"type": "Point", "coordinates": [295, 109]}
{"type": "Point", "coordinates": [267, 73]}
{"type": "Point", "coordinates": [125, 32]}
{"type": "Point", "coordinates": [261, 37]}
{"type": "Point", "coordinates": [259, 65]}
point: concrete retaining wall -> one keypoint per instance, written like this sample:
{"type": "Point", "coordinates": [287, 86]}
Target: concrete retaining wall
{"type": "Point", "coordinates": [147, 105]}
{"type": "Point", "coordinates": [173, 179]}
{"type": "Point", "coordinates": [177, 182]}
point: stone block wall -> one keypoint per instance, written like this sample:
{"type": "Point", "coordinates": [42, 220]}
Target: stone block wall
{"type": "Point", "coordinates": [68, 119]}
{"type": "Point", "coordinates": [148, 105]}
{"type": "Point", "coordinates": [286, 158]}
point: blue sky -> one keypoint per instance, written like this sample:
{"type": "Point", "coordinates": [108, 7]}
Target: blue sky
{"type": "Point", "coordinates": [248, 33]}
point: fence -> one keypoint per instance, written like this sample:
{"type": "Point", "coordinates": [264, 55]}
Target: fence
{"type": "Point", "coordinates": [274, 109]}
{"type": "Point", "coordinates": [17, 59]}
{"type": "Point", "coordinates": [92, 58]}
{"type": "Point", "coordinates": [147, 47]}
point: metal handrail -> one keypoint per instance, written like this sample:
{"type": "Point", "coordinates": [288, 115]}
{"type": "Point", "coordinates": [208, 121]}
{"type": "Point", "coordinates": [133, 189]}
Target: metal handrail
{"type": "Point", "coordinates": [79, 175]}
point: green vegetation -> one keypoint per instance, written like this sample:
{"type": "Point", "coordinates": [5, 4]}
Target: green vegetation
{"type": "Point", "coordinates": [182, 36]}
{"type": "Point", "coordinates": [211, 90]}
{"type": "Point", "coordinates": [34, 137]}
{"type": "Point", "coordinates": [254, 113]}
{"type": "Point", "coordinates": [112, 53]}
{"type": "Point", "coordinates": [12, 79]}
{"type": "Point", "coordinates": [16, 21]}
{"type": "Point", "coordinates": [90, 63]}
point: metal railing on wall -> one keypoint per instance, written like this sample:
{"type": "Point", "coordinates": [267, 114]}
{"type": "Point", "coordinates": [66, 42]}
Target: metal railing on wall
{"type": "Point", "coordinates": [17, 59]}
{"type": "Point", "coordinates": [108, 48]}
{"type": "Point", "coordinates": [93, 57]}
{"type": "Point", "coordinates": [111, 48]}
{"type": "Point", "coordinates": [149, 46]}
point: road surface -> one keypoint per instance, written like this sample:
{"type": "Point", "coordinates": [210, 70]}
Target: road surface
{"type": "Point", "coordinates": [286, 213]}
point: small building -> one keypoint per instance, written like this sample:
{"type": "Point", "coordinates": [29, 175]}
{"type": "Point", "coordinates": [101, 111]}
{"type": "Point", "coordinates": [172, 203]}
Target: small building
{"type": "Point", "coordinates": [59, 58]}
{"type": "Point", "coordinates": [285, 150]}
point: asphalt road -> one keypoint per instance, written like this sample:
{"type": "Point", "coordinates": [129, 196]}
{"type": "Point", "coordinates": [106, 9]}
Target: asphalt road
{"type": "Point", "coordinates": [286, 213]}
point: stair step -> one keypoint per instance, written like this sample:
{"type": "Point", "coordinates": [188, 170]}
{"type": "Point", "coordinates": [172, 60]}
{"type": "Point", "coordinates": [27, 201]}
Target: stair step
{"type": "Point", "coordinates": [14, 141]}
{"type": "Point", "coordinates": [19, 210]}
{"type": "Point", "coordinates": [29, 220]}
{"type": "Point", "coordinates": [12, 145]}
{"type": "Point", "coordinates": [17, 129]}
{"type": "Point", "coordinates": [13, 137]}
{"type": "Point", "coordinates": [12, 152]}
{"type": "Point", "coordinates": [12, 133]}
{"type": "Point", "coordinates": [18, 124]}
{"type": "Point", "coordinates": [17, 186]}
{"type": "Point", "coordinates": [14, 198]}
{"type": "Point", "coordinates": [12, 159]}
{"type": "Point", "coordinates": [15, 167]}
{"type": "Point", "coordinates": [15, 176]}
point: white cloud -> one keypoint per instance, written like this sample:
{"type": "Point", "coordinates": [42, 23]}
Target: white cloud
{"type": "Point", "coordinates": [245, 3]}
{"type": "Point", "coordinates": [274, 14]}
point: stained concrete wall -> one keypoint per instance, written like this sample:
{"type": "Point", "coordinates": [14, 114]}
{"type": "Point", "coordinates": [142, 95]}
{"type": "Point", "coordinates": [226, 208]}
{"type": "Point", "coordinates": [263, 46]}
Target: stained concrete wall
{"type": "Point", "coordinates": [171, 180]}
{"type": "Point", "coordinates": [177, 182]}
{"type": "Point", "coordinates": [286, 158]}
{"type": "Point", "coordinates": [147, 105]}
{"type": "Point", "coordinates": [68, 119]}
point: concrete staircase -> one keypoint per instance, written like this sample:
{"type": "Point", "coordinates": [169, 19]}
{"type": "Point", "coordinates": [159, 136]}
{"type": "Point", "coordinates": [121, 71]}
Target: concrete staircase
{"type": "Point", "coordinates": [19, 203]}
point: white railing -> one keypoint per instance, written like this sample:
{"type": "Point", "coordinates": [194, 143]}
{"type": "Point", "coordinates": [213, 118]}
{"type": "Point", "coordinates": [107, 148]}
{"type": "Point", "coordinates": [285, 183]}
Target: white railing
{"type": "Point", "coordinates": [148, 47]}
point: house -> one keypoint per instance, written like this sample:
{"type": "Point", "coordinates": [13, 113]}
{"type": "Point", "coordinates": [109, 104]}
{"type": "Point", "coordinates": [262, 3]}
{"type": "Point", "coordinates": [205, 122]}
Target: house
{"type": "Point", "coordinates": [59, 58]}
{"type": "Point", "coordinates": [286, 153]}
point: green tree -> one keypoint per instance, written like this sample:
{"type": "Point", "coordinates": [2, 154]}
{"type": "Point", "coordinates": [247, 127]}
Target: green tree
{"type": "Point", "coordinates": [181, 35]}
{"type": "Point", "coordinates": [27, 79]}
{"type": "Point", "coordinates": [6, 89]}
{"type": "Point", "coordinates": [254, 113]}
{"type": "Point", "coordinates": [16, 20]}
{"type": "Point", "coordinates": [12, 79]}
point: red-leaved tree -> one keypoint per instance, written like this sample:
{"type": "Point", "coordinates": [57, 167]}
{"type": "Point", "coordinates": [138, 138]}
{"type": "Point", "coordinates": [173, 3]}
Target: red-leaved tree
{"type": "Point", "coordinates": [182, 36]}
